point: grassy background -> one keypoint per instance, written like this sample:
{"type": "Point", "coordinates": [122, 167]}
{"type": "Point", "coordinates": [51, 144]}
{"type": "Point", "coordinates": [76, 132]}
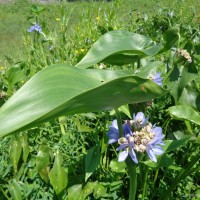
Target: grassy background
{"type": "Point", "coordinates": [14, 15]}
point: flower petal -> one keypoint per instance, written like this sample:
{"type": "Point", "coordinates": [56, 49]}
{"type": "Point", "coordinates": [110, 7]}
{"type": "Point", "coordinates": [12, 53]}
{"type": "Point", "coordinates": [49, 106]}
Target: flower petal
{"type": "Point", "coordinates": [113, 135]}
{"type": "Point", "coordinates": [114, 124]}
{"type": "Point", "coordinates": [157, 150]}
{"type": "Point", "coordinates": [151, 155]}
{"type": "Point", "coordinates": [139, 120]}
{"type": "Point", "coordinates": [157, 79]}
{"type": "Point", "coordinates": [122, 156]}
{"type": "Point", "coordinates": [122, 146]}
{"type": "Point", "coordinates": [111, 141]}
{"type": "Point", "coordinates": [133, 155]}
{"type": "Point", "coordinates": [127, 130]}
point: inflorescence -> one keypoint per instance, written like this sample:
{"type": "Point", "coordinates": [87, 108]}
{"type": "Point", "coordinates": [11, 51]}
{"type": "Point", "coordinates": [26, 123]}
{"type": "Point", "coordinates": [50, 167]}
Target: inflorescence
{"type": "Point", "coordinates": [35, 27]}
{"type": "Point", "coordinates": [139, 136]}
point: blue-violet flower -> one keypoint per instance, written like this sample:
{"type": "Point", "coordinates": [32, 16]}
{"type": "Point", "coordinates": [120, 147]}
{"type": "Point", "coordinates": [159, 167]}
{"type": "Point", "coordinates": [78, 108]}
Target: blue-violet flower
{"type": "Point", "coordinates": [114, 134]}
{"type": "Point", "coordinates": [139, 121]}
{"type": "Point", "coordinates": [139, 136]}
{"type": "Point", "coordinates": [35, 27]}
{"type": "Point", "coordinates": [156, 78]}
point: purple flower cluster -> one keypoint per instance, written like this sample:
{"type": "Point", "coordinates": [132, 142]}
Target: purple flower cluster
{"type": "Point", "coordinates": [35, 27]}
{"type": "Point", "coordinates": [139, 136]}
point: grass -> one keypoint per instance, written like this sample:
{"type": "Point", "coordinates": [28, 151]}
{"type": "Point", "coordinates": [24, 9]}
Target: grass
{"type": "Point", "coordinates": [14, 17]}
{"type": "Point", "coordinates": [71, 29]}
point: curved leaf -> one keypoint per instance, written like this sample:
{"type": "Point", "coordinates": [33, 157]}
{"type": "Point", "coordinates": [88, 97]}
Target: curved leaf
{"type": "Point", "coordinates": [116, 46]}
{"type": "Point", "coordinates": [75, 192]}
{"type": "Point", "coordinates": [15, 190]}
{"type": "Point", "coordinates": [58, 176]}
{"type": "Point", "coordinates": [184, 113]}
{"type": "Point", "coordinates": [59, 90]}
{"type": "Point", "coordinates": [170, 38]}
{"type": "Point", "coordinates": [92, 160]}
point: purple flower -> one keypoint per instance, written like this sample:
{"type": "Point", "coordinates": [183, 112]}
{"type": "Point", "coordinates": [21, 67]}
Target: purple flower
{"type": "Point", "coordinates": [145, 137]}
{"type": "Point", "coordinates": [35, 27]}
{"type": "Point", "coordinates": [153, 147]}
{"type": "Point", "coordinates": [127, 145]}
{"type": "Point", "coordinates": [156, 78]}
{"type": "Point", "coordinates": [114, 134]}
{"type": "Point", "coordinates": [139, 120]}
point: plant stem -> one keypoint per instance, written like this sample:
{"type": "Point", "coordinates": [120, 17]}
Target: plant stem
{"type": "Point", "coordinates": [144, 190]}
{"type": "Point", "coordinates": [133, 178]}
{"type": "Point", "coordinates": [119, 122]}
{"type": "Point", "coordinates": [168, 74]}
{"type": "Point", "coordinates": [184, 173]}
{"type": "Point", "coordinates": [155, 177]}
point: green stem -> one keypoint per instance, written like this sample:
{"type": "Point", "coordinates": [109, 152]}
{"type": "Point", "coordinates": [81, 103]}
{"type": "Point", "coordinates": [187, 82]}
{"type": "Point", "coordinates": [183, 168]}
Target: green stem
{"type": "Point", "coordinates": [144, 191]}
{"type": "Point", "coordinates": [119, 122]}
{"type": "Point", "coordinates": [155, 177]}
{"type": "Point", "coordinates": [133, 178]}
{"type": "Point", "coordinates": [184, 173]}
{"type": "Point", "coordinates": [168, 74]}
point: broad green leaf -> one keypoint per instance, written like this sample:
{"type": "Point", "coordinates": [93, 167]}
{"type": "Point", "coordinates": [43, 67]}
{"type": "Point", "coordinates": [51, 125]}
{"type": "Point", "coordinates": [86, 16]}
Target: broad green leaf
{"type": "Point", "coordinates": [99, 191]}
{"type": "Point", "coordinates": [184, 113]}
{"type": "Point", "coordinates": [180, 135]}
{"type": "Point", "coordinates": [198, 140]}
{"type": "Point", "coordinates": [120, 59]}
{"type": "Point", "coordinates": [15, 151]}
{"type": "Point", "coordinates": [172, 145]}
{"type": "Point", "coordinates": [37, 9]}
{"type": "Point", "coordinates": [190, 97]}
{"type": "Point", "coordinates": [162, 161]}
{"type": "Point", "coordinates": [15, 190]}
{"type": "Point", "coordinates": [58, 175]}
{"type": "Point", "coordinates": [61, 89]}
{"type": "Point", "coordinates": [124, 109]}
{"type": "Point", "coordinates": [92, 160]}
{"type": "Point", "coordinates": [25, 147]}
{"type": "Point", "coordinates": [88, 189]}
{"type": "Point", "coordinates": [117, 166]}
{"type": "Point", "coordinates": [75, 192]}
{"type": "Point", "coordinates": [170, 38]}
{"type": "Point", "coordinates": [15, 74]}
{"type": "Point", "coordinates": [183, 76]}
{"type": "Point", "coordinates": [119, 47]}
{"type": "Point", "coordinates": [42, 162]}
{"type": "Point", "coordinates": [150, 69]}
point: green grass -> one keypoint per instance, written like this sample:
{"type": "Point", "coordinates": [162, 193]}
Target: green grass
{"type": "Point", "coordinates": [14, 23]}
{"type": "Point", "coordinates": [69, 32]}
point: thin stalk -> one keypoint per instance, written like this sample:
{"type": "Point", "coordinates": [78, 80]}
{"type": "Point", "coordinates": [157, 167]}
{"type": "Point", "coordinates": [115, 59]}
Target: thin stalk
{"type": "Point", "coordinates": [119, 122]}
{"type": "Point", "coordinates": [184, 173]}
{"type": "Point", "coordinates": [144, 183]}
{"type": "Point", "coordinates": [144, 191]}
{"type": "Point", "coordinates": [168, 74]}
{"type": "Point", "coordinates": [155, 177]}
{"type": "Point", "coordinates": [140, 157]}
{"type": "Point", "coordinates": [133, 178]}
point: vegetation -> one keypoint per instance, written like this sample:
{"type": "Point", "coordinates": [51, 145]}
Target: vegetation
{"type": "Point", "coordinates": [68, 72]}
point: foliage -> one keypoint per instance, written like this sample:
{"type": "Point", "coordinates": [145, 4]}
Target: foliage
{"type": "Point", "coordinates": [58, 100]}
